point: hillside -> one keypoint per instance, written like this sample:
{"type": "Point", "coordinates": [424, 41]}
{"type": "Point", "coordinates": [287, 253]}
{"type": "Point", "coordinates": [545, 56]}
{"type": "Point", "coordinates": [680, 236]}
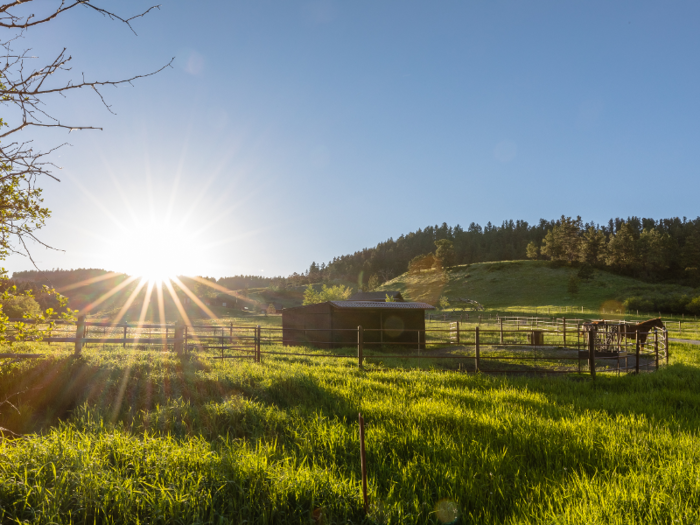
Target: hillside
{"type": "Point", "coordinates": [523, 285]}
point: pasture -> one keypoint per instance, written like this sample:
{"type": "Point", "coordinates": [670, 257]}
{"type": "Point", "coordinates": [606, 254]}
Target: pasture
{"type": "Point", "coordinates": [120, 435]}
{"type": "Point", "coordinates": [529, 286]}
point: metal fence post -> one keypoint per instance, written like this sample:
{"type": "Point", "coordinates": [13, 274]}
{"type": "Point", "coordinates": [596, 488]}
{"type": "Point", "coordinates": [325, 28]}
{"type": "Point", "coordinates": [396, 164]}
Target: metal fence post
{"type": "Point", "coordinates": [564, 327]}
{"type": "Point", "coordinates": [363, 461]}
{"type": "Point", "coordinates": [478, 356]}
{"type": "Point", "coordinates": [656, 347]}
{"type": "Point", "coordinates": [79, 333]}
{"type": "Point", "coordinates": [591, 351]}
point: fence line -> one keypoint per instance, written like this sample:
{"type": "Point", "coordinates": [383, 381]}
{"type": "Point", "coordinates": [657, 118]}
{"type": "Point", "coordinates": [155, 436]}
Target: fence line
{"type": "Point", "coordinates": [485, 345]}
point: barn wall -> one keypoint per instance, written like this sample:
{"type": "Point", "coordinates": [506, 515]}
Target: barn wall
{"type": "Point", "coordinates": [325, 326]}
{"type": "Point", "coordinates": [403, 323]}
{"type": "Point", "coordinates": [307, 325]}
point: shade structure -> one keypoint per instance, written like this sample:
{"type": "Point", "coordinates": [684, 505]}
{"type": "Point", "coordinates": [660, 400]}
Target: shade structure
{"type": "Point", "coordinates": [333, 324]}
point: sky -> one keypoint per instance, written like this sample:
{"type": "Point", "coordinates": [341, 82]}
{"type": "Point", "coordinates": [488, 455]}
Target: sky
{"type": "Point", "coordinates": [292, 132]}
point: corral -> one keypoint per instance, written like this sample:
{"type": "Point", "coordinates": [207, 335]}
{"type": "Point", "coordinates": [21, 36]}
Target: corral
{"type": "Point", "coordinates": [395, 334]}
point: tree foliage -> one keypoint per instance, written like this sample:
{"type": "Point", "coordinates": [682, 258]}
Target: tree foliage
{"type": "Point", "coordinates": [532, 251]}
{"type": "Point", "coordinates": [445, 253]}
{"type": "Point", "coordinates": [326, 293]}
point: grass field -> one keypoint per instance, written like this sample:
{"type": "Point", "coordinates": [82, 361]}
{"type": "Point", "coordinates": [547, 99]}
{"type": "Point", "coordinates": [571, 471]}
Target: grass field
{"type": "Point", "coordinates": [123, 436]}
{"type": "Point", "coordinates": [525, 286]}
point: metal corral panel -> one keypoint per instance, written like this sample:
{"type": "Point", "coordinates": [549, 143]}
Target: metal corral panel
{"type": "Point", "coordinates": [334, 324]}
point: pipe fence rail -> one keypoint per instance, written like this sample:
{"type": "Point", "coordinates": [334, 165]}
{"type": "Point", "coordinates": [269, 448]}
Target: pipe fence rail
{"type": "Point", "coordinates": [509, 346]}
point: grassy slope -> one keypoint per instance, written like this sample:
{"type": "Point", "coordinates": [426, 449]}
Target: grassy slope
{"type": "Point", "coordinates": [521, 285]}
{"type": "Point", "coordinates": [154, 438]}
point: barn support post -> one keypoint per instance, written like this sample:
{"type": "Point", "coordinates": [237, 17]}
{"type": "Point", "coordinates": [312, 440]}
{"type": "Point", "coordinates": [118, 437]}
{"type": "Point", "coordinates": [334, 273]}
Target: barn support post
{"type": "Point", "coordinates": [381, 330]}
{"type": "Point", "coordinates": [79, 333]}
{"type": "Point", "coordinates": [500, 322]}
{"type": "Point", "coordinates": [478, 356]}
{"type": "Point", "coordinates": [656, 347]}
{"type": "Point", "coordinates": [636, 349]}
{"type": "Point", "coordinates": [360, 345]}
{"type": "Point", "coordinates": [591, 352]}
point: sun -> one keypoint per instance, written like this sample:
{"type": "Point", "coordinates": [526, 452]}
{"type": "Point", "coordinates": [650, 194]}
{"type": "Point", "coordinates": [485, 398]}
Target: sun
{"type": "Point", "coordinates": [154, 250]}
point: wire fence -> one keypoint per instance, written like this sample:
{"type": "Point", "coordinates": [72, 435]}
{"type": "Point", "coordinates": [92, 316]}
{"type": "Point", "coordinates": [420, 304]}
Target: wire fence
{"type": "Point", "coordinates": [511, 345]}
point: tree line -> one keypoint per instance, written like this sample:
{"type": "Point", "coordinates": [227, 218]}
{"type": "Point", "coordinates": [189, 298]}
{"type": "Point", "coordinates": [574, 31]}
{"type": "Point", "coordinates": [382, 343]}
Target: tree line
{"type": "Point", "coordinates": [650, 249]}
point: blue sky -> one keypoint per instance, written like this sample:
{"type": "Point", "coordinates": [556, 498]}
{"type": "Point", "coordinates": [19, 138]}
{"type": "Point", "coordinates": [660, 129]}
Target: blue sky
{"type": "Point", "coordinates": [291, 132]}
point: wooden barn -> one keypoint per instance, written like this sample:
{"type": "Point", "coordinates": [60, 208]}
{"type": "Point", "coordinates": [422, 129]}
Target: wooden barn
{"type": "Point", "coordinates": [334, 324]}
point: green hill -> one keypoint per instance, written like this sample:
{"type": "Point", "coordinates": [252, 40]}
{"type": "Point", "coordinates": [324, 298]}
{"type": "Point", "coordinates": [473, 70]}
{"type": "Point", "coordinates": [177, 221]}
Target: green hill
{"type": "Point", "coordinates": [524, 285]}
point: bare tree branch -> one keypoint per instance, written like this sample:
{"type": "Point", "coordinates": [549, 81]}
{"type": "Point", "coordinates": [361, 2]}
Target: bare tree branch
{"type": "Point", "coordinates": [12, 21]}
{"type": "Point", "coordinates": [25, 93]}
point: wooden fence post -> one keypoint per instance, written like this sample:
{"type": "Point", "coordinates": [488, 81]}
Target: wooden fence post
{"type": "Point", "coordinates": [500, 322]}
{"type": "Point", "coordinates": [259, 343]}
{"type": "Point", "coordinates": [636, 344]}
{"type": "Point", "coordinates": [457, 332]}
{"type": "Point", "coordinates": [591, 351]}
{"type": "Point", "coordinates": [478, 356]}
{"type": "Point", "coordinates": [79, 334]}
{"type": "Point", "coordinates": [360, 345]}
{"type": "Point", "coordinates": [179, 332]}
{"type": "Point", "coordinates": [668, 350]}
{"type": "Point", "coordinates": [124, 338]}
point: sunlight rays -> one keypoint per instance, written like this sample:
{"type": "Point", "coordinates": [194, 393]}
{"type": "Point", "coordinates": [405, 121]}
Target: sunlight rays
{"type": "Point", "coordinates": [129, 301]}
{"type": "Point", "coordinates": [107, 295]}
{"type": "Point", "coordinates": [87, 282]}
{"type": "Point", "coordinates": [192, 296]}
{"type": "Point", "coordinates": [220, 288]}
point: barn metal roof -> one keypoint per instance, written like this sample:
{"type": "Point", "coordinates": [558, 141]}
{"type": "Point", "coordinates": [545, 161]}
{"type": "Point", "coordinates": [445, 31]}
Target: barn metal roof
{"type": "Point", "coordinates": [384, 306]}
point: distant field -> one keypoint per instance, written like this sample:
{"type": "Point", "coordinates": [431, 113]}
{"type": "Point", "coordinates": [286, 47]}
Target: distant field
{"type": "Point", "coordinates": [524, 286]}
{"type": "Point", "coordinates": [124, 436]}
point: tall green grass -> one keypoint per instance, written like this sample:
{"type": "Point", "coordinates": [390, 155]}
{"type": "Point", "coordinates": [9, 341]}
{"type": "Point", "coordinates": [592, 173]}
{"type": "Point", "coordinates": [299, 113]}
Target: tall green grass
{"type": "Point", "coordinates": [121, 436]}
